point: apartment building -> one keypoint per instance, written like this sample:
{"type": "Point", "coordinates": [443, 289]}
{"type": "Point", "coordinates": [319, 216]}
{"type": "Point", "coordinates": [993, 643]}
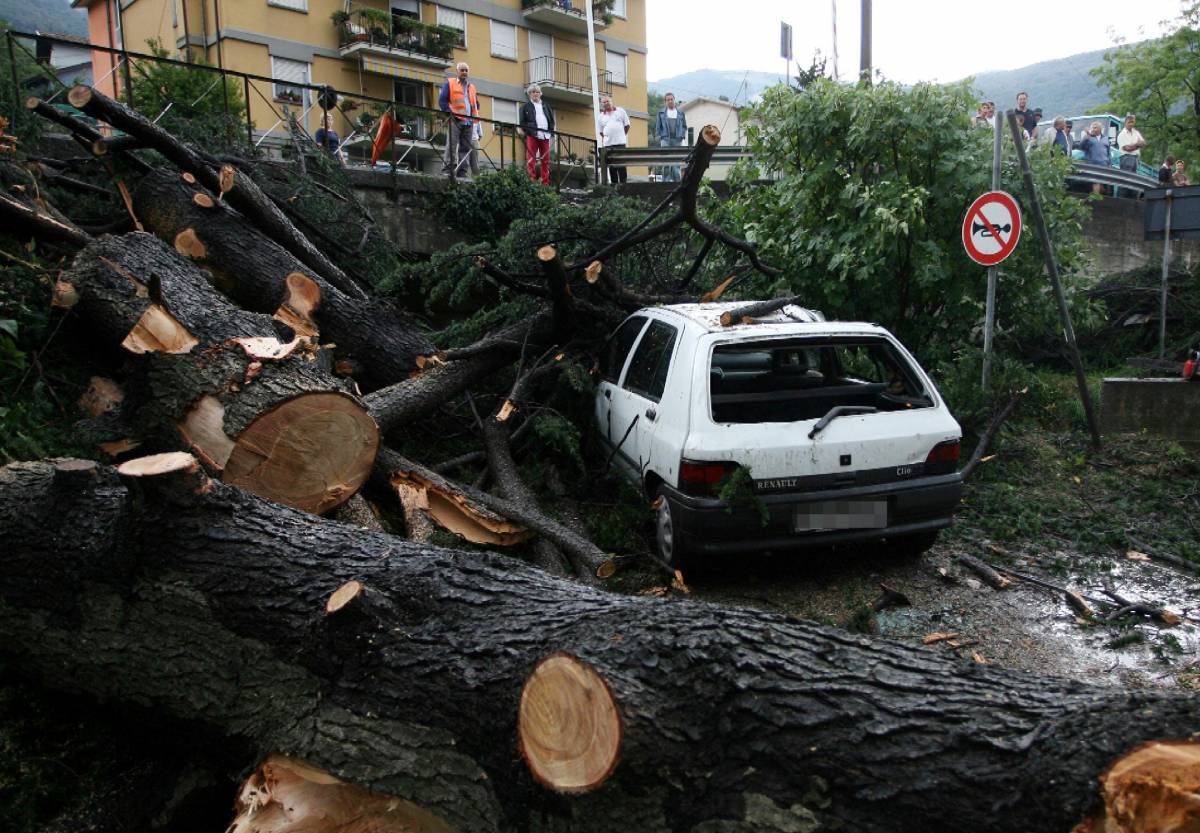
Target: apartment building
{"type": "Point", "coordinates": [401, 50]}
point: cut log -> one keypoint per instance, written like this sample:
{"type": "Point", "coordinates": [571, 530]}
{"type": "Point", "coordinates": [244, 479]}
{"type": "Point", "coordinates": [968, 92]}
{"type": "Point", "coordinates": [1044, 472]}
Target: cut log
{"type": "Point", "coordinates": [204, 602]}
{"type": "Point", "coordinates": [568, 725]}
{"type": "Point", "coordinates": [746, 314]}
{"type": "Point", "coordinates": [985, 572]}
{"type": "Point", "coordinates": [285, 795]}
{"type": "Point", "coordinates": [263, 276]}
{"type": "Point", "coordinates": [264, 414]}
{"type": "Point", "coordinates": [245, 196]}
{"type": "Point", "coordinates": [1154, 789]}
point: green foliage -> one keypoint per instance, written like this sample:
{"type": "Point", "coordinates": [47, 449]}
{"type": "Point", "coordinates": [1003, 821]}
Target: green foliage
{"type": "Point", "coordinates": [737, 490]}
{"type": "Point", "coordinates": [197, 111]}
{"type": "Point", "coordinates": [870, 185]}
{"type": "Point", "coordinates": [39, 383]}
{"type": "Point", "coordinates": [1159, 81]}
{"type": "Point", "coordinates": [488, 207]}
{"type": "Point", "coordinates": [22, 124]}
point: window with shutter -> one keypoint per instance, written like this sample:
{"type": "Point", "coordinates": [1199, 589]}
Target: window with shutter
{"type": "Point", "coordinates": [505, 111]}
{"type": "Point", "coordinates": [504, 40]}
{"type": "Point", "coordinates": [614, 62]}
{"type": "Point", "coordinates": [618, 8]}
{"type": "Point", "coordinates": [287, 74]}
{"type": "Point", "coordinates": [295, 5]}
{"type": "Point", "coordinates": [455, 19]}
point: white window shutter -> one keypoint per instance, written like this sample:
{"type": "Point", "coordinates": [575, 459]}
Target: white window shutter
{"type": "Point", "coordinates": [614, 62]}
{"type": "Point", "coordinates": [504, 40]}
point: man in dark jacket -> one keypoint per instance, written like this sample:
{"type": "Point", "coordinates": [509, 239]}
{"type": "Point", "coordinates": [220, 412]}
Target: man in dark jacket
{"type": "Point", "coordinates": [537, 123]}
{"type": "Point", "coordinates": [671, 131]}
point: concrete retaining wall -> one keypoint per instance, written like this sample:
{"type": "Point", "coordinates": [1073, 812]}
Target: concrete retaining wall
{"type": "Point", "coordinates": [1165, 407]}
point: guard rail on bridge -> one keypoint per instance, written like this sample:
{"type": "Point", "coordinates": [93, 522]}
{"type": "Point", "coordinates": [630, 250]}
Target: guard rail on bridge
{"type": "Point", "coordinates": [1081, 172]}
{"type": "Point", "coordinates": [1105, 175]}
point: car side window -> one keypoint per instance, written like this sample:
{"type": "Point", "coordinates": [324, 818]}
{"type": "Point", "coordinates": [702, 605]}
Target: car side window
{"type": "Point", "coordinates": [612, 358]}
{"type": "Point", "coordinates": [648, 370]}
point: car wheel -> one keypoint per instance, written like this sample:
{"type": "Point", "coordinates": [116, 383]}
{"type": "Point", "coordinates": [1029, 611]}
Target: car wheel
{"type": "Point", "coordinates": [666, 537]}
{"type": "Point", "coordinates": [913, 546]}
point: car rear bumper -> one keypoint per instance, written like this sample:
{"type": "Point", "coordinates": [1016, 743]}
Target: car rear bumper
{"type": "Point", "coordinates": [708, 526]}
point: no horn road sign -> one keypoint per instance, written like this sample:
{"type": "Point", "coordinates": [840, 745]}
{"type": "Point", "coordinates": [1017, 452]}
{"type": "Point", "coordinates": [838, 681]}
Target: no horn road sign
{"type": "Point", "coordinates": [991, 228]}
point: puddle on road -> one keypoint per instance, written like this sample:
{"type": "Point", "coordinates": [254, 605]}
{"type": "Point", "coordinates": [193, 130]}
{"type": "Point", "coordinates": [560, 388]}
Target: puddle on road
{"type": "Point", "coordinates": [1023, 627]}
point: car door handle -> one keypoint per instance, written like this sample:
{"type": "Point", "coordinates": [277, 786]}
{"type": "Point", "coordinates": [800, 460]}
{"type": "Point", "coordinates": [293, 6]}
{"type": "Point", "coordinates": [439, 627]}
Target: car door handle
{"type": "Point", "coordinates": [651, 414]}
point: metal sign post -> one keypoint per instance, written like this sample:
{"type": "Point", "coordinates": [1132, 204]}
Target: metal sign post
{"type": "Point", "coordinates": [1052, 267]}
{"type": "Point", "coordinates": [591, 33]}
{"type": "Point", "coordinates": [1166, 263]}
{"type": "Point", "coordinates": [989, 324]}
{"type": "Point", "coordinates": [785, 50]}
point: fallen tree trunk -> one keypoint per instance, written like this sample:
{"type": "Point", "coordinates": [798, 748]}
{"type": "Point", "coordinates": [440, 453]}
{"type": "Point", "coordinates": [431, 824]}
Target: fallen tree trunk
{"type": "Point", "coordinates": [417, 680]}
{"type": "Point", "coordinates": [439, 382]}
{"type": "Point", "coordinates": [239, 188]}
{"type": "Point", "coordinates": [266, 415]}
{"type": "Point", "coordinates": [262, 276]}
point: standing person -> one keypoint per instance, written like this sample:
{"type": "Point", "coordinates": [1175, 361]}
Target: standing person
{"type": "Point", "coordinates": [614, 128]}
{"type": "Point", "coordinates": [671, 131]}
{"type": "Point", "coordinates": [537, 122]}
{"type": "Point", "coordinates": [1180, 179]}
{"type": "Point", "coordinates": [327, 138]}
{"type": "Point", "coordinates": [459, 99]}
{"type": "Point", "coordinates": [1027, 119]}
{"type": "Point", "coordinates": [1130, 142]}
{"type": "Point", "coordinates": [1166, 171]}
{"type": "Point", "coordinates": [1062, 137]}
{"type": "Point", "coordinates": [1095, 149]}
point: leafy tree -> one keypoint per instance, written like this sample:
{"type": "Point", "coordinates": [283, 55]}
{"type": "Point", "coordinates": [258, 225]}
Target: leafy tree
{"type": "Point", "coordinates": [863, 212]}
{"type": "Point", "coordinates": [198, 110]}
{"type": "Point", "coordinates": [1159, 81]}
{"type": "Point", "coordinates": [26, 127]}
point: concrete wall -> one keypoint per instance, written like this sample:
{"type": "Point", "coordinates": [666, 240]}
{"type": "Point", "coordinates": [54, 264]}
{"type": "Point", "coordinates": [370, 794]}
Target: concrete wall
{"type": "Point", "coordinates": [1165, 407]}
{"type": "Point", "coordinates": [1114, 234]}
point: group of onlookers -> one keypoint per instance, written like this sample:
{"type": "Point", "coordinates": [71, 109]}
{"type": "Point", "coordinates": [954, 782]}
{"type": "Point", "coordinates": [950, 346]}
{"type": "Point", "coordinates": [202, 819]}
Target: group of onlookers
{"type": "Point", "coordinates": [1095, 145]}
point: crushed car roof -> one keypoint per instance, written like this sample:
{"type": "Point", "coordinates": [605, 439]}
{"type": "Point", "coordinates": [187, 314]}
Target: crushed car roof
{"type": "Point", "coordinates": [708, 317]}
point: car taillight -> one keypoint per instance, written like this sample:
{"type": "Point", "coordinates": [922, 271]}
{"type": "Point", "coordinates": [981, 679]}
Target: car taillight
{"type": "Point", "coordinates": [702, 477]}
{"type": "Point", "coordinates": [943, 459]}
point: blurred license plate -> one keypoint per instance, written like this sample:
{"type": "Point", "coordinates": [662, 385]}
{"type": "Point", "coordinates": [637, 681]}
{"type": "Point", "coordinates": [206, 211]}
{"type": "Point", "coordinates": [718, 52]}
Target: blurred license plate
{"type": "Point", "coordinates": [841, 514]}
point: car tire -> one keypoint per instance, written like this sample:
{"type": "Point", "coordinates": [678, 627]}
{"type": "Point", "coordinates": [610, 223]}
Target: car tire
{"type": "Point", "coordinates": [914, 546]}
{"type": "Point", "coordinates": [671, 548]}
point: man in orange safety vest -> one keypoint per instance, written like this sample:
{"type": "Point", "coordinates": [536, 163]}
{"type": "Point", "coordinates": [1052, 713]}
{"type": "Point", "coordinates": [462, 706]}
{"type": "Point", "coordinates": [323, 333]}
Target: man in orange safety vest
{"type": "Point", "coordinates": [458, 98]}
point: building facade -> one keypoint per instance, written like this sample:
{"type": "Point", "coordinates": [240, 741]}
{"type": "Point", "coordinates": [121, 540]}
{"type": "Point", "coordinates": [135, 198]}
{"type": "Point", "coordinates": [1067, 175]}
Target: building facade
{"type": "Point", "coordinates": [400, 50]}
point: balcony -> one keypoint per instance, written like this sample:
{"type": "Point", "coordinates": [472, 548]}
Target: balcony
{"type": "Point", "coordinates": [567, 81]}
{"type": "Point", "coordinates": [371, 35]}
{"type": "Point", "coordinates": [564, 15]}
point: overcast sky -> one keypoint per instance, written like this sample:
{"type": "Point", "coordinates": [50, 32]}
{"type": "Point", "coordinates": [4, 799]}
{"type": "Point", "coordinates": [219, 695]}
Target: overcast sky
{"type": "Point", "coordinates": [914, 40]}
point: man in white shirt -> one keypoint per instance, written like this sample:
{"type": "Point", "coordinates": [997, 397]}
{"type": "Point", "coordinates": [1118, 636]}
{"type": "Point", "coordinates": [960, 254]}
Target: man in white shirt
{"type": "Point", "coordinates": [1130, 142]}
{"type": "Point", "coordinates": [614, 127]}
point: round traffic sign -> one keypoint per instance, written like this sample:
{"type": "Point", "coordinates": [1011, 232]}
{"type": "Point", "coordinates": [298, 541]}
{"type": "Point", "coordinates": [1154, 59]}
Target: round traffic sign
{"type": "Point", "coordinates": [991, 228]}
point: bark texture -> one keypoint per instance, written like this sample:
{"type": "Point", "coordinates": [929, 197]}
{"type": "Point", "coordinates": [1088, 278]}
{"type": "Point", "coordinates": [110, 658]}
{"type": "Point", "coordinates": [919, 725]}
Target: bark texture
{"type": "Point", "coordinates": [253, 270]}
{"type": "Point", "coordinates": [243, 194]}
{"type": "Point", "coordinates": [207, 603]}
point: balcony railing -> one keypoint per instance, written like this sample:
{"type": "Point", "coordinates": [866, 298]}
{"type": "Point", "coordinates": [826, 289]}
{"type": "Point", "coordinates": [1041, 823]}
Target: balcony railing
{"type": "Point", "coordinates": [402, 37]}
{"type": "Point", "coordinates": [565, 80]}
{"type": "Point", "coordinates": [567, 15]}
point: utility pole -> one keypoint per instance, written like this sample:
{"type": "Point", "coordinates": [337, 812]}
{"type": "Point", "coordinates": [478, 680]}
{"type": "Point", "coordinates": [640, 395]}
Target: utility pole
{"type": "Point", "coordinates": [864, 67]}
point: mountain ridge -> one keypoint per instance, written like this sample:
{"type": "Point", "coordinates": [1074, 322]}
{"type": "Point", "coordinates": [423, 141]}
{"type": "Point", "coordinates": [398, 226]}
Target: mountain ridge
{"type": "Point", "coordinates": [49, 16]}
{"type": "Point", "coordinates": [1060, 86]}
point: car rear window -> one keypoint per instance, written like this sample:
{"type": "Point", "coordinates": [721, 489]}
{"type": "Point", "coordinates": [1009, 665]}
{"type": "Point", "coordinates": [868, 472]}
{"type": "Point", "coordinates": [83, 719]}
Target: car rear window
{"type": "Point", "coordinates": [801, 379]}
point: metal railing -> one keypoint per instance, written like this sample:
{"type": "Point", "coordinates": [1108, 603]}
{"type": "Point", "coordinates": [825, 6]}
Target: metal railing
{"type": "Point", "coordinates": [623, 155]}
{"type": "Point", "coordinates": [403, 34]}
{"type": "Point", "coordinates": [355, 118]}
{"type": "Point", "coordinates": [558, 72]}
{"type": "Point", "coordinates": [1083, 172]}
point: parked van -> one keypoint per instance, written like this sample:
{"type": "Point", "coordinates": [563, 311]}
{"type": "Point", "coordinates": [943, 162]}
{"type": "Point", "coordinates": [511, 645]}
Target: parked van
{"type": "Point", "coordinates": [785, 433]}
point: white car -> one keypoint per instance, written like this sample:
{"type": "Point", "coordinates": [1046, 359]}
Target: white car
{"type": "Point", "coordinates": [838, 433]}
